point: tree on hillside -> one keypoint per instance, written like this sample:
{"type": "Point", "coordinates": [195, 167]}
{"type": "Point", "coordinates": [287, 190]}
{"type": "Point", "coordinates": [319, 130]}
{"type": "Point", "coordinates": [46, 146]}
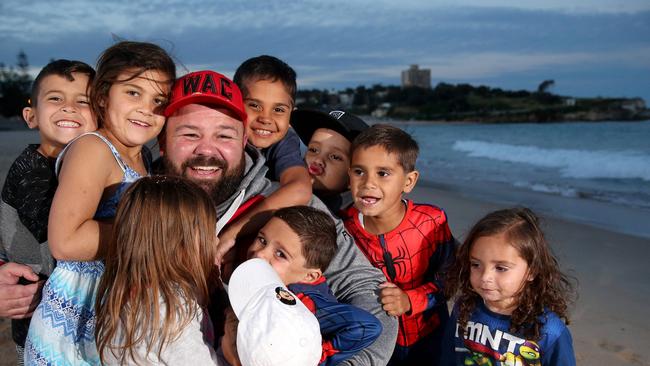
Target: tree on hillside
{"type": "Point", "coordinates": [545, 85]}
{"type": "Point", "coordinates": [15, 85]}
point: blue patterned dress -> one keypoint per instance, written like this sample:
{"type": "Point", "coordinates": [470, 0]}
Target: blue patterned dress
{"type": "Point", "coordinates": [62, 331]}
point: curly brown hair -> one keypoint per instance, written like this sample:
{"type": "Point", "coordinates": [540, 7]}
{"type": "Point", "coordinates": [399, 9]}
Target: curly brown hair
{"type": "Point", "coordinates": [550, 289]}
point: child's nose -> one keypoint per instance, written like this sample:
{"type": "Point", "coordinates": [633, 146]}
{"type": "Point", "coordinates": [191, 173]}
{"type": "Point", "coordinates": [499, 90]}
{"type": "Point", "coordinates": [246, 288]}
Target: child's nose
{"type": "Point", "coordinates": [368, 180]}
{"type": "Point", "coordinates": [486, 276]}
{"type": "Point", "coordinates": [319, 160]}
{"type": "Point", "coordinates": [264, 117]}
{"type": "Point", "coordinates": [147, 109]}
{"type": "Point", "coordinates": [69, 107]}
{"type": "Point", "coordinates": [262, 254]}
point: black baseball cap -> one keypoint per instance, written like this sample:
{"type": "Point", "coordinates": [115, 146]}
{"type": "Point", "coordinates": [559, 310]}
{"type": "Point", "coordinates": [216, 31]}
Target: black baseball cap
{"type": "Point", "coordinates": [306, 121]}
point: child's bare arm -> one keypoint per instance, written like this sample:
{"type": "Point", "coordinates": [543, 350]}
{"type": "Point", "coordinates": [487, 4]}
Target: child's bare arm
{"type": "Point", "coordinates": [295, 189]}
{"type": "Point", "coordinates": [73, 234]}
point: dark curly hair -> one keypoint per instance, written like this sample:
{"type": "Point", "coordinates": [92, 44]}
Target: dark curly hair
{"type": "Point", "coordinates": [549, 289]}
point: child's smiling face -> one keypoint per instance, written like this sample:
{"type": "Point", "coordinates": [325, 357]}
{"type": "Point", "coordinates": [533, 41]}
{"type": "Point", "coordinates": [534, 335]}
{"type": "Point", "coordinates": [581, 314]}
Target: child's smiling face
{"type": "Point", "coordinates": [497, 272]}
{"type": "Point", "coordinates": [61, 113]}
{"type": "Point", "coordinates": [268, 106]}
{"type": "Point", "coordinates": [377, 182]}
{"type": "Point", "coordinates": [134, 112]}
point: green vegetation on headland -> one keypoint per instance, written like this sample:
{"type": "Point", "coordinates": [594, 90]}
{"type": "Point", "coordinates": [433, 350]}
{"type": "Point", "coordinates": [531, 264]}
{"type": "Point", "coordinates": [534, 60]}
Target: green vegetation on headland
{"type": "Point", "coordinates": [464, 102]}
{"type": "Point", "coordinates": [445, 102]}
{"type": "Point", "coordinates": [15, 86]}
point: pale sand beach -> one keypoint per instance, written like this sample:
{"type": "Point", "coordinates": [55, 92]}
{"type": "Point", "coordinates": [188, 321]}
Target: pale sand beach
{"type": "Point", "coordinates": [609, 325]}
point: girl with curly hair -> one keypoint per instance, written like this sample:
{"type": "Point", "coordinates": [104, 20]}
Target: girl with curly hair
{"type": "Point", "coordinates": [511, 297]}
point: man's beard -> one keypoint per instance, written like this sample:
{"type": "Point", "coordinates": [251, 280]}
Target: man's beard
{"type": "Point", "coordinates": [222, 188]}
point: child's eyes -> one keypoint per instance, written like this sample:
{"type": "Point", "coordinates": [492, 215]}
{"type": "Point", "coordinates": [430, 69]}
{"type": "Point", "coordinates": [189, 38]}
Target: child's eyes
{"type": "Point", "coordinates": [55, 99]}
{"type": "Point", "coordinates": [261, 240]}
{"type": "Point", "coordinates": [312, 150]}
{"type": "Point", "coordinates": [383, 173]}
{"type": "Point", "coordinates": [474, 264]}
{"type": "Point", "coordinates": [336, 157]}
{"type": "Point", "coordinates": [84, 101]}
{"type": "Point", "coordinates": [358, 172]}
{"type": "Point", "coordinates": [132, 93]}
{"type": "Point", "coordinates": [280, 254]}
{"type": "Point", "coordinates": [501, 268]}
{"type": "Point", "coordinates": [160, 101]}
{"type": "Point", "coordinates": [279, 110]}
{"type": "Point", "coordinates": [253, 105]}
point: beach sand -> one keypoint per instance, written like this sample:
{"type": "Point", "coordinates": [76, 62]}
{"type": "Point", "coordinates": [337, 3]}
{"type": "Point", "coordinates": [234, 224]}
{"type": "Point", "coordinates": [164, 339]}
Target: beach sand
{"type": "Point", "coordinates": [609, 325]}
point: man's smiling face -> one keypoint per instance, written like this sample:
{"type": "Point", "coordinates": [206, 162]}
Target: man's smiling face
{"type": "Point", "coordinates": [204, 144]}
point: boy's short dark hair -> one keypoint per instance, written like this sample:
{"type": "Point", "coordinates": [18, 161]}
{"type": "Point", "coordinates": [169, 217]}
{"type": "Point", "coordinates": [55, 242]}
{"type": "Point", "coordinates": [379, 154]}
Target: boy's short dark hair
{"type": "Point", "coordinates": [63, 68]}
{"type": "Point", "coordinates": [316, 231]}
{"type": "Point", "coordinates": [266, 67]}
{"type": "Point", "coordinates": [394, 140]}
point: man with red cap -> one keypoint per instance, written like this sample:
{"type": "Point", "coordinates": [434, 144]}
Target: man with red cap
{"type": "Point", "coordinates": [204, 140]}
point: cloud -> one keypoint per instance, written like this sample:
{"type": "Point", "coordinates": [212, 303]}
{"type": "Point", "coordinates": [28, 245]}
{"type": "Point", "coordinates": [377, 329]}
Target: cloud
{"type": "Point", "coordinates": [44, 20]}
{"type": "Point", "coordinates": [470, 66]}
{"type": "Point", "coordinates": [347, 43]}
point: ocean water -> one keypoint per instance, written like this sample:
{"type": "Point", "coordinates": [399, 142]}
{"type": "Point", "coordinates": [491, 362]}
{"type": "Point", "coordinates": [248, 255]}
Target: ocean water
{"type": "Point", "coordinates": [586, 163]}
{"type": "Point", "coordinates": [596, 173]}
{"type": "Point", "coordinates": [602, 161]}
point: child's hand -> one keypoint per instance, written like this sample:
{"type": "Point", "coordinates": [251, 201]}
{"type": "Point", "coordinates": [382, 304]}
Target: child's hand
{"type": "Point", "coordinates": [223, 247]}
{"type": "Point", "coordinates": [394, 301]}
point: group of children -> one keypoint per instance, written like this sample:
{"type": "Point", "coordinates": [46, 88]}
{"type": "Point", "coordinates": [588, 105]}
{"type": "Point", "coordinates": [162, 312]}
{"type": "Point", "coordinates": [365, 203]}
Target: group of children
{"type": "Point", "coordinates": [133, 275]}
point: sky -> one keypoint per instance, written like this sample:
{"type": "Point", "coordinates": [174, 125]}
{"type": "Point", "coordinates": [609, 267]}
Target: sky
{"type": "Point", "coordinates": [589, 48]}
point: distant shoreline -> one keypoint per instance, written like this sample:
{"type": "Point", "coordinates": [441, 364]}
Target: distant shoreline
{"type": "Point", "coordinates": [374, 120]}
{"type": "Point", "coordinates": [15, 123]}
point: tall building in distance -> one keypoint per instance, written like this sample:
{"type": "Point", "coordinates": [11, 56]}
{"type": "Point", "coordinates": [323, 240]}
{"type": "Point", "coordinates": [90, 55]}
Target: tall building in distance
{"type": "Point", "coordinates": [415, 76]}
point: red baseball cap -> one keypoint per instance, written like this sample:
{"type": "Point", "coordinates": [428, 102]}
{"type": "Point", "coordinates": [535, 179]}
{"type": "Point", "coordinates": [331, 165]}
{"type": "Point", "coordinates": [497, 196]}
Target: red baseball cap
{"type": "Point", "coordinates": [209, 88]}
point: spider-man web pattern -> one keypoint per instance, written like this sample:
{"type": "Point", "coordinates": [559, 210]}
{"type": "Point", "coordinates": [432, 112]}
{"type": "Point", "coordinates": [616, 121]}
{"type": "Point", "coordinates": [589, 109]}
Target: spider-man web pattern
{"type": "Point", "coordinates": [414, 256]}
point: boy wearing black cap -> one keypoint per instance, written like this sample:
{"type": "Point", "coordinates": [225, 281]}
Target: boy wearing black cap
{"type": "Point", "coordinates": [328, 137]}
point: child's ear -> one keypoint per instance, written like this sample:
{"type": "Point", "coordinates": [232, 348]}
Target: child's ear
{"type": "Point", "coordinates": [313, 275]}
{"type": "Point", "coordinates": [30, 117]}
{"type": "Point", "coordinates": [411, 179]}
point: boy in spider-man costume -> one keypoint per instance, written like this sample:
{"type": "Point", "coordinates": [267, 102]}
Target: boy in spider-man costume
{"type": "Point", "coordinates": [411, 243]}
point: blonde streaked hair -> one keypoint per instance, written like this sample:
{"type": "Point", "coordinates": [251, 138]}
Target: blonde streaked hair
{"type": "Point", "coordinates": [162, 252]}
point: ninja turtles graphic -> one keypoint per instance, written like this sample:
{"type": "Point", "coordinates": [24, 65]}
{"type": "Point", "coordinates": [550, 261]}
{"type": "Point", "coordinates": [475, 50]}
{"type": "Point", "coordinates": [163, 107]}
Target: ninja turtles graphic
{"type": "Point", "coordinates": [481, 355]}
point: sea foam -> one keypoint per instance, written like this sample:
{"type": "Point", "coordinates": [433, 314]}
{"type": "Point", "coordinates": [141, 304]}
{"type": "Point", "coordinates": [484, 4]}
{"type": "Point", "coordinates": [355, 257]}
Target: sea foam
{"type": "Point", "coordinates": [571, 163]}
